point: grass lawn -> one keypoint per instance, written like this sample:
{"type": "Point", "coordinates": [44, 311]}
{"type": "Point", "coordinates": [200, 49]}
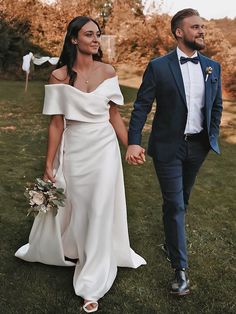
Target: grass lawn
{"type": "Point", "coordinates": [211, 226]}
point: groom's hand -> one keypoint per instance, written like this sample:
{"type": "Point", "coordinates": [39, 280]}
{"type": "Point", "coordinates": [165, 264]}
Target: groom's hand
{"type": "Point", "coordinates": [135, 155]}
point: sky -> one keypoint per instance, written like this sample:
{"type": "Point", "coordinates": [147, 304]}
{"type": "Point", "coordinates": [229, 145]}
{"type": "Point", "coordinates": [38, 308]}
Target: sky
{"type": "Point", "coordinates": [207, 8]}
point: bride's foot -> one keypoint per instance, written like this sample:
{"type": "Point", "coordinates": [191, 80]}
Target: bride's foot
{"type": "Point", "coordinates": [90, 306]}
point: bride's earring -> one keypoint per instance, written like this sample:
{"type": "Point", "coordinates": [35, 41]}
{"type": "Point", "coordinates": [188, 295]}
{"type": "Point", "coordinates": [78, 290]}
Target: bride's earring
{"type": "Point", "coordinates": [74, 42]}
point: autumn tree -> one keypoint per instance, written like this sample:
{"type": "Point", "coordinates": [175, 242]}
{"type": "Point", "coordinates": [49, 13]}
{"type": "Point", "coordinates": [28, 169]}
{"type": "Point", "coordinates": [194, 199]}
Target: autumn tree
{"type": "Point", "coordinates": [30, 25]}
{"type": "Point", "coordinates": [15, 32]}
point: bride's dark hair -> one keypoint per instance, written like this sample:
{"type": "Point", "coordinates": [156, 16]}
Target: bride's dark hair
{"type": "Point", "coordinates": [69, 50]}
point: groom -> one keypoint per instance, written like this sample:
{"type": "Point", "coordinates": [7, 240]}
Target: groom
{"type": "Point", "coordinates": [187, 89]}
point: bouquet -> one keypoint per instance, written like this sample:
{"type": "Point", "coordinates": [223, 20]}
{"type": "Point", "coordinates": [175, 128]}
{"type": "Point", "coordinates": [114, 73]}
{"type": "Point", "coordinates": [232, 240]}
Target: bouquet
{"type": "Point", "coordinates": [43, 197]}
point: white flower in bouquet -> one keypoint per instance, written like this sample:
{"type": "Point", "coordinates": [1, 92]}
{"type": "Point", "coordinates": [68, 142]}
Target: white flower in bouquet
{"type": "Point", "coordinates": [37, 198]}
{"type": "Point", "coordinates": [44, 196]}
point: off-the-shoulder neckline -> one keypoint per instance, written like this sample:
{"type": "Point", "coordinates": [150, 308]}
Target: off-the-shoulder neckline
{"type": "Point", "coordinates": [77, 89]}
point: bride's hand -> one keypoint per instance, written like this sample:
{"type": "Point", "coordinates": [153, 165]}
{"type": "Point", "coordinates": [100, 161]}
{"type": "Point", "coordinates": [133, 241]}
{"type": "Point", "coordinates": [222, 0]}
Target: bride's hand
{"type": "Point", "coordinates": [48, 175]}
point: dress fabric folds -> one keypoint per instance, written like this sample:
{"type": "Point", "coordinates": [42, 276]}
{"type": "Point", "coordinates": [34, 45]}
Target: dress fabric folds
{"type": "Point", "coordinates": [92, 227]}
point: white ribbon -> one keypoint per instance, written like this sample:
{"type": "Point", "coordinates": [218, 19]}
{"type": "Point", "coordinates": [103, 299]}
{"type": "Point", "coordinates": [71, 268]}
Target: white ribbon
{"type": "Point", "coordinates": [39, 61]}
{"type": "Point", "coordinates": [26, 62]}
{"type": "Point", "coordinates": [36, 60]}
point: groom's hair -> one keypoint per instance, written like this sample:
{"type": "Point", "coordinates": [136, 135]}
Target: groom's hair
{"type": "Point", "coordinates": [179, 16]}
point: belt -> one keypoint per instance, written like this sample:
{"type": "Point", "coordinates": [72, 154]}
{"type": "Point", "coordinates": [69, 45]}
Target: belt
{"type": "Point", "coordinates": [194, 136]}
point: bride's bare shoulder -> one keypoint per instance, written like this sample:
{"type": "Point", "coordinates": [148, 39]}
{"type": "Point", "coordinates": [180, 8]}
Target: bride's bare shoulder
{"type": "Point", "coordinates": [59, 76]}
{"type": "Point", "coordinates": [106, 70]}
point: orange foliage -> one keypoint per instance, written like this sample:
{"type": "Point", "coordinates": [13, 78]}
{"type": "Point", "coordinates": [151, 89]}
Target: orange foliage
{"type": "Point", "coordinates": [30, 25]}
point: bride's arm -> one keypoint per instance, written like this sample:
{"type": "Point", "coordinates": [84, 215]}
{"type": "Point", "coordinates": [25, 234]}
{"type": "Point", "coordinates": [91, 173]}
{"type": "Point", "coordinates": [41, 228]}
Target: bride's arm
{"type": "Point", "coordinates": [55, 128]}
{"type": "Point", "coordinates": [118, 125]}
{"type": "Point", "coordinates": [55, 131]}
{"type": "Point", "coordinates": [122, 133]}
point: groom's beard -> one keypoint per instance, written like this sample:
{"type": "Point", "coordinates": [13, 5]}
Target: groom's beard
{"type": "Point", "coordinates": [194, 45]}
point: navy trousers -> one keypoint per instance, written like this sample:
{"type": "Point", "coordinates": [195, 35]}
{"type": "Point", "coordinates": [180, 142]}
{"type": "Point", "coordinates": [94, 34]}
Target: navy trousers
{"type": "Point", "coordinates": [176, 178]}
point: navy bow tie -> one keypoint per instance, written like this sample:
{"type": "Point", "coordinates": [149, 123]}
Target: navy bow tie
{"type": "Point", "coordinates": [184, 60]}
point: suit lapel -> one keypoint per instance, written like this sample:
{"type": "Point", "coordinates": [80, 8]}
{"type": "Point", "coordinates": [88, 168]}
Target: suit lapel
{"type": "Point", "coordinates": [204, 64]}
{"type": "Point", "coordinates": [176, 71]}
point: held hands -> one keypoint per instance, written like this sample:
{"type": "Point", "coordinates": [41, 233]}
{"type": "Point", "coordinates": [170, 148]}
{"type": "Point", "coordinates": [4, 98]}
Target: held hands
{"type": "Point", "coordinates": [135, 155]}
{"type": "Point", "coordinates": [48, 175]}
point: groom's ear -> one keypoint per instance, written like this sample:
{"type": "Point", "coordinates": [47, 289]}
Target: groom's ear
{"type": "Point", "coordinates": [178, 32]}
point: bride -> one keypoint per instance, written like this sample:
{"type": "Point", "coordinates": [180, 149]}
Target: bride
{"type": "Point", "coordinates": [83, 157]}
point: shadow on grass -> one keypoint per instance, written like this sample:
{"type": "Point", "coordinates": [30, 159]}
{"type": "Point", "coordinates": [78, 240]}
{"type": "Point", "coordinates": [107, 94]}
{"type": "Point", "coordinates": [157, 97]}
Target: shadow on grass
{"type": "Point", "coordinates": [37, 288]}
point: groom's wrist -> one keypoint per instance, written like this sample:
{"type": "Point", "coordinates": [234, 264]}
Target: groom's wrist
{"type": "Point", "coordinates": [134, 139]}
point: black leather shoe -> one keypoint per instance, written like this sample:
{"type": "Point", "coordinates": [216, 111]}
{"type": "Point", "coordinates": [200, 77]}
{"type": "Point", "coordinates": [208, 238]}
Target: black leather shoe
{"type": "Point", "coordinates": [180, 286]}
{"type": "Point", "coordinates": [165, 249]}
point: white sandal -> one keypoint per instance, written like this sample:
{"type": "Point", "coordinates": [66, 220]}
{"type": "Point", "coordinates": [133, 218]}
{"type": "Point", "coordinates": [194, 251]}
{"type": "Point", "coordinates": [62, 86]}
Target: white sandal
{"type": "Point", "coordinates": [89, 303]}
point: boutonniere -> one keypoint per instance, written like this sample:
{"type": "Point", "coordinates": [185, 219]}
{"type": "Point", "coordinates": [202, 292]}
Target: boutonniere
{"type": "Point", "coordinates": [208, 72]}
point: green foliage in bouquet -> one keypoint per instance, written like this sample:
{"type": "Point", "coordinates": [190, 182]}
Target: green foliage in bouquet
{"type": "Point", "coordinates": [43, 197]}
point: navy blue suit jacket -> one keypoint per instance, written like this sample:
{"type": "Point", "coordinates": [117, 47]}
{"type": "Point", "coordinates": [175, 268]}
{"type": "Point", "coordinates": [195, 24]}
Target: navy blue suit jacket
{"type": "Point", "coordinates": [162, 81]}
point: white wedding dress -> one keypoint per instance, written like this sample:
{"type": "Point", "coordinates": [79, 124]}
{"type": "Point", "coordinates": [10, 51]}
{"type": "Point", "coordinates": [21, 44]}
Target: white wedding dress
{"type": "Point", "coordinates": [92, 227]}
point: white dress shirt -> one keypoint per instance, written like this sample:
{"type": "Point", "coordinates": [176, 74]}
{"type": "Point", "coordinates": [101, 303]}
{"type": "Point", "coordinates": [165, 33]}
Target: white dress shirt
{"type": "Point", "coordinates": [194, 87]}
